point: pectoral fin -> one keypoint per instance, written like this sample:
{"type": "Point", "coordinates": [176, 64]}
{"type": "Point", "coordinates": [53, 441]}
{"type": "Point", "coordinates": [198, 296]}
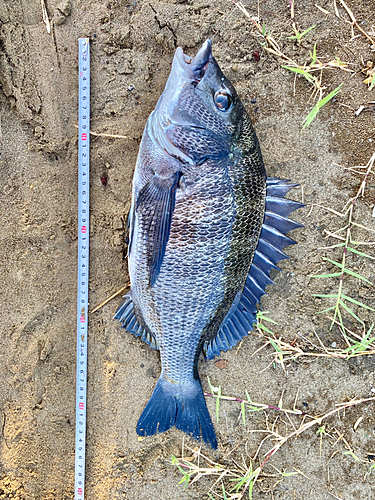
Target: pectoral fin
{"type": "Point", "coordinates": [154, 210]}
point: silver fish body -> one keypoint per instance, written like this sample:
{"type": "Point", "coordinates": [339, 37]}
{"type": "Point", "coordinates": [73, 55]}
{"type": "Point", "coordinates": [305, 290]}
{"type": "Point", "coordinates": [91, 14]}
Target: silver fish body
{"type": "Point", "coordinates": [198, 213]}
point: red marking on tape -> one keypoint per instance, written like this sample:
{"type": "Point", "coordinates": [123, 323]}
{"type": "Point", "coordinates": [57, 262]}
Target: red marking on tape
{"type": "Point", "coordinates": [79, 491]}
{"type": "Point", "coordinates": [81, 406]}
{"type": "Point", "coordinates": [82, 319]}
{"type": "Point", "coordinates": [83, 229]}
{"type": "Point", "coordinates": [81, 73]}
{"type": "Point", "coordinates": [84, 136]}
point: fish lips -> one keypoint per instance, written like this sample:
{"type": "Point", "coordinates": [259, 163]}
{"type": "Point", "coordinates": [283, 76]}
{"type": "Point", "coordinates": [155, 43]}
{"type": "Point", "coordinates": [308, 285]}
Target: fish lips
{"type": "Point", "coordinates": [193, 69]}
{"type": "Point", "coordinates": [185, 70]}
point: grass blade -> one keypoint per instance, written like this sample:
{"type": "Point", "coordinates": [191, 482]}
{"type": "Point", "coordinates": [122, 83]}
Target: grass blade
{"type": "Point", "coordinates": [306, 31]}
{"type": "Point", "coordinates": [360, 253]}
{"type": "Point", "coordinates": [262, 327]}
{"type": "Point", "coordinates": [243, 411]}
{"type": "Point", "coordinates": [326, 310]}
{"type": "Point", "coordinates": [300, 71]}
{"type": "Point", "coordinates": [350, 311]}
{"type": "Point", "coordinates": [313, 56]}
{"type": "Point", "coordinates": [348, 271]}
{"type": "Point", "coordinates": [298, 36]}
{"type": "Point", "coordinates": [224, 493]}
{"type": "Point", "coordinates": [275, 346]}
{"type": "Point", "coordinates": [360, 304]}
{"type": "Point", "coordinates": [332, 275]}
{"type": "Point", "coordinates": [310, 117]}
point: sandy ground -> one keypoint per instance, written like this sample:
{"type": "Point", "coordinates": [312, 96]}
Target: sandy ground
{"type": "Point", "coordinates": [132, 45]}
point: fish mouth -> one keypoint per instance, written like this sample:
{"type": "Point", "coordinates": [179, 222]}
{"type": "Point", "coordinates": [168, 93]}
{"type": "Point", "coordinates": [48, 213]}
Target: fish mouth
{"type": "Point", "coordinates": [195, 68]}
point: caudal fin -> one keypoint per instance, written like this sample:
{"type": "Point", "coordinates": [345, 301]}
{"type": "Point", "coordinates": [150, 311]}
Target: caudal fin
{"type": "Point", "coordinates": [180, 405]}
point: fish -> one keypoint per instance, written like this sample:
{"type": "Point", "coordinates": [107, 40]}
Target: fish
{"type": "Point", "coordinates": [206, 227]}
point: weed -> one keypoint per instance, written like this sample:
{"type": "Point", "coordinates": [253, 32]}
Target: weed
{"type": "Point", "coordinates": [310, 117]}
{"type": "Point", "coordinates": [342, 302]}
{"type": "Point", "coordinates": [261, 316]}
{"type": "Point", "coordinates": [302, 71]}
{"type": "Point", "coordinates": [361, 346]}
{"type": "Point", "coordinates": [245, 476]}
{"type": "Point", "coordinates": [298, 36]}
{"type": "Point", "coordinates": [246, 404]}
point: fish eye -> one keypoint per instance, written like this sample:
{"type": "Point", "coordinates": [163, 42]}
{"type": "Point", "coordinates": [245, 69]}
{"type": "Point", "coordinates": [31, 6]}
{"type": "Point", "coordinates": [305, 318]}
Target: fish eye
{"type": "Point", "coordinates": [223, 100]}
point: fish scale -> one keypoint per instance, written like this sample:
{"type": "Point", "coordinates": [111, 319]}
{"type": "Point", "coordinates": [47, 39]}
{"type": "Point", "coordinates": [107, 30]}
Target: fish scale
{"type": "Point", "coordinates": [206, 228]}
{"type": "Point", "coordinates": [198, 263]}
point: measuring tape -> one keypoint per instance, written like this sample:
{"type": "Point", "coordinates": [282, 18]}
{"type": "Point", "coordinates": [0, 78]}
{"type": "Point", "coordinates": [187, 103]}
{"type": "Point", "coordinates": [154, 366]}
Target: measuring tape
{"type": "Point", "coordinates": [83, 261]}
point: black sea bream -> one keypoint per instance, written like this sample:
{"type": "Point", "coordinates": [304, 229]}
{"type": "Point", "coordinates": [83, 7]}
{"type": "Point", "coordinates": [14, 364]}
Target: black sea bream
{"type": "Point", "coordinates": [206, 228]}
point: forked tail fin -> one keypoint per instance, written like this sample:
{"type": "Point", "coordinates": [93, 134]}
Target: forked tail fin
{"type": "Point", "coordinates": [180, 405]}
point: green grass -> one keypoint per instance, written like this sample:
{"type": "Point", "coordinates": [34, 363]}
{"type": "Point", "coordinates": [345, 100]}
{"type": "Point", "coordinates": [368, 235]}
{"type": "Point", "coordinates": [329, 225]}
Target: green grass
{"type": "Point", "coordinates": [343, 304]}
{"type": "Point", "coordinates": [298, 36]}
{"type": "Point", "coordinates": [318, 106]}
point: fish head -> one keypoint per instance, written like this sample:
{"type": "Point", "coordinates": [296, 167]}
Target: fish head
{"type": "Point", "coordinates": [199, 111]}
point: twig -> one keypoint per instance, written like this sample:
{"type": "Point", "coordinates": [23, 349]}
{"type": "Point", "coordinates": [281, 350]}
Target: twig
{"type": "Point", "coordinates": [45, 16]}
{"type": "Point", "coordinates": [100, 134]}
{"type": "Point", "coordinates": [110, 298]}
{"type": "Point", "coordinates": [354, 22]}
{"type": "Point", "coordinates": [97, 134]}
{"type": "Point", "coordinates": [315, 421]}
{"type": "Point", "coordinates": [256, 406]}
{"type": "Point", "coordinates": [323, 10]}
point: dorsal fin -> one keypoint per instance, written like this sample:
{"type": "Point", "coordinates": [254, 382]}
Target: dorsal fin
{"type": "Point", "coordinates": [126, 315]}
{"type": "Point", "coordinates": [242, 315]}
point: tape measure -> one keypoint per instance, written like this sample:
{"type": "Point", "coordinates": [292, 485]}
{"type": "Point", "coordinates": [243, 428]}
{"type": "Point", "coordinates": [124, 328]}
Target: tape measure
{"type": "Point", "coordinates": [83, 261]}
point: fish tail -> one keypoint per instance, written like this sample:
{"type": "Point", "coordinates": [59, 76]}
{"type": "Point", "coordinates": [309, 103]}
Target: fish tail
{"type": "Point", "coordinates": [180, 405]}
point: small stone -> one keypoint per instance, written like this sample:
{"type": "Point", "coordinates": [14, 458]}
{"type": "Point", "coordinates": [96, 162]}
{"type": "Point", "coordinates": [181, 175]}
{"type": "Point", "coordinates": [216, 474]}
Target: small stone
{"type": "Point", "coordinates": [117, 223]}
{"type": "Point", "coordinates": [221, 363]}
{"type": "Point", "coordinates": [65, 7]}
{"type": "Point", "coordinates": [125, 68]}
{"type": "Point", "coordinates": [333, 345]}
{"type": "Point", "coordinates": [117, 240]}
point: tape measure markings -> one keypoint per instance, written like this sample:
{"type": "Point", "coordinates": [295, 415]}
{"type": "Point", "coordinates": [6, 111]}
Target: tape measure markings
{"type": "Point", "coordinates": [83, 262]}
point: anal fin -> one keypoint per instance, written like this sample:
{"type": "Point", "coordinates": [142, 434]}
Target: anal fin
{"type": "Point", "coordinates": [126, 315]}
